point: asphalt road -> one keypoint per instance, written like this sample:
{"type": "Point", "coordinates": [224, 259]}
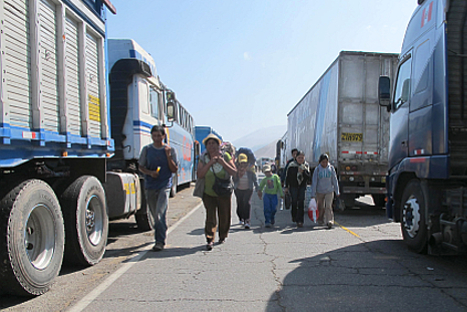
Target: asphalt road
{"type": "Point", "coordinates": [359, 265]}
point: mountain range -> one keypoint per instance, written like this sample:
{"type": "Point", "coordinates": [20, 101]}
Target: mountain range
{"type": "Point", "coordinates": [263, 141]}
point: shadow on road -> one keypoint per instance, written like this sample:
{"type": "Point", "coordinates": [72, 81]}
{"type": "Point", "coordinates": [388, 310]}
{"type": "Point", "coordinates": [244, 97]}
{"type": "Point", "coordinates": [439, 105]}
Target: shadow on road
{"type": "Point", "coordinates": [380, 275]}
{"type": "Point", "coordinates": [171, 252]}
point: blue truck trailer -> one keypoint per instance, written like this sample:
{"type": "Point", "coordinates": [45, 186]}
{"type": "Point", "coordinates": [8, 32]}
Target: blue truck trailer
{"type": "Point", "coordinates": [203, 131]}
{"type": "Point", "coordinates": [427, 179]}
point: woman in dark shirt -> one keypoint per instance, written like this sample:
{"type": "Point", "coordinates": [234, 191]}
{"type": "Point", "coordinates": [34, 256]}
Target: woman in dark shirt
{"type": "Point", "coordinates": [296, 178]}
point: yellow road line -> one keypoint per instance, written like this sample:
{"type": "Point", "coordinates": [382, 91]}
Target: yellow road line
{"type": "Point", "coordinates": [344, 228]}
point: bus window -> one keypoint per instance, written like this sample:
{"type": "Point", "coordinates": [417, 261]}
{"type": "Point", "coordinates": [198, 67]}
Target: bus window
{"type": "Point", "coordinates": [144, 96]}
{"type": "Point", "coordinates": [154, 100]}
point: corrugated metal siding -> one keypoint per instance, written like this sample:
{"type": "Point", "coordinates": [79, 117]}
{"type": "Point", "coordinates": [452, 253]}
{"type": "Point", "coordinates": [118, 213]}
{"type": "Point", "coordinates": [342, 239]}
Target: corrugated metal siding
{"type": "Point", "coordinates": [92, 76]}
{"type": "Point", "coordinates": [18, 61]}
{"type": "Point", "coordinates": [48, 49]}
{"type": "Point", "coordinates": [72, 76]}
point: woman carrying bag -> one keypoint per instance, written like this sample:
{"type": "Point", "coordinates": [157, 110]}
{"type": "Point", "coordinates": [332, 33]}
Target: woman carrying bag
{"type": "Point", "coordinates": [216, 169]}
{"type": "Point", "coordinates": [323, 187]}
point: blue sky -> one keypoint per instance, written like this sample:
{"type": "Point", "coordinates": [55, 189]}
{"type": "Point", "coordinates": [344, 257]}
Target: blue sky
{"type": "Point", "coordinates": [241, 65]}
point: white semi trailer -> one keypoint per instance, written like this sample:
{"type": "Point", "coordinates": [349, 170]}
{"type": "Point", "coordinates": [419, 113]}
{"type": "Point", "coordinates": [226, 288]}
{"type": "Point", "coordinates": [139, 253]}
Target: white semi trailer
{"type": "Point", "coordinates": [340, 116]}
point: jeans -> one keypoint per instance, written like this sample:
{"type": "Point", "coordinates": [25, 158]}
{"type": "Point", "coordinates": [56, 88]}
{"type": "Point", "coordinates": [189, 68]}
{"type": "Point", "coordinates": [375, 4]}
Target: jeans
{"type": "Point", "coordinates": [270, 204]}
{"type": "Point", "coordinates": [243, 204]}
{"type": "Point", "coordinates": [158, 201]}
{"type": "Point", "coordinates": [298, 202]}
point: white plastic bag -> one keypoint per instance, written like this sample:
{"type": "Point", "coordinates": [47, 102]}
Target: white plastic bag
{"type": "Point", "coordinates": [313, 212]}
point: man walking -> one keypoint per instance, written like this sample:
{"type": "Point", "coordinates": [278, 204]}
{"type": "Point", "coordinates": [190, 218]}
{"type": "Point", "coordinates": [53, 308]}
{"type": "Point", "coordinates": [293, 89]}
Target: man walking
{"type": "Point", "coordinates": [157, 162]}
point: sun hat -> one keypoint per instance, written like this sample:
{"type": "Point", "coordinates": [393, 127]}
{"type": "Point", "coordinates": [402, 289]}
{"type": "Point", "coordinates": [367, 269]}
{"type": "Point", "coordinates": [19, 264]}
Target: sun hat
{"type": "Point", "coordinates": [212, 136]}
{"type": "Point", "coordinates": [242, 158]}
{"type": "Point", "coordinates": [266, 168]}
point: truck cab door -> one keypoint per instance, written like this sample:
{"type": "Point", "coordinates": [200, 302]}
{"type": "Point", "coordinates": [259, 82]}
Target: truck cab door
{"type": "Point", "coordinates": [399, 133]}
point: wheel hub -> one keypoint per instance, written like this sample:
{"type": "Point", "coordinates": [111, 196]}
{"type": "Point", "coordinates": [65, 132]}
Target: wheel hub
{"type": "Point", "coordinates": [39, 236]}
{"type": "Point", "coordinates": [411, 216]}
{"type": "Point", "coordinates": [94, 220]}
{"type": "Point", "coordinates": [90, 219]}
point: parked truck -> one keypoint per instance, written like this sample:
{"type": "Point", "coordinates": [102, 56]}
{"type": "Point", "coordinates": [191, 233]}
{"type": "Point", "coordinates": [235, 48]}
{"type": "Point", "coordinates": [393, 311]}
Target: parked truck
{"type": "Point", "coordinates": [427, 178]}
{"type": "Point", "coordinates": [137, 100]}
{"type": "Point", "coordinates": [340, 116]}
{"type": "Point", "coordinates": [59, 183]}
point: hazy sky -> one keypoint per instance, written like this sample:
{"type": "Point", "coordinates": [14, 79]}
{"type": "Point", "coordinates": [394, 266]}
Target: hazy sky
{"type": "Point", "coordinates": [242, 65]}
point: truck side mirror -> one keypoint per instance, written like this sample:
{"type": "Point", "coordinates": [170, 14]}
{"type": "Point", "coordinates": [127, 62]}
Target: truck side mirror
{"type": "Point", "coordinates": [171, 106]}
{"type": "Point", "coordinates": [170, 111]}
{"type": "Point", "coordinates": [384, 91]}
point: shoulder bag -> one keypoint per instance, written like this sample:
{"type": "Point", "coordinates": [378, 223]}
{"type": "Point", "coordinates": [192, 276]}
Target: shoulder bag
{"type": "Point", "coordinates": [222, 187]}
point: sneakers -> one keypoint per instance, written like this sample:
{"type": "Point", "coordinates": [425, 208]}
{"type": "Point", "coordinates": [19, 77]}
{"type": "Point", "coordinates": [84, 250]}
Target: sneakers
{"type": "Point", "coordinates": [209, 246]}
{"type": "Point", "coordinates": [158, 246]}
{"type": "Point", "coordinates": [221, 240]}
{"type": "Point", "coordinates": [299, 224]}
{"type": "Point", "coordinates": [241, 222]}
{"type": "Point", "coordinates": [247, 226]}
{"type": "Point", "coordinates": [329, 225]}
{"type": "Point", "coordinates": [267, 225]}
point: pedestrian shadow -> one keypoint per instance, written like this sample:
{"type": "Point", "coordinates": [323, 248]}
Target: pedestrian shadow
{"type": "Point", "coordinates": [172, 252]}
{"type": "Point", "coordinates": [197, 232]}
{"type": "Point", "coordinates": [380, 275]}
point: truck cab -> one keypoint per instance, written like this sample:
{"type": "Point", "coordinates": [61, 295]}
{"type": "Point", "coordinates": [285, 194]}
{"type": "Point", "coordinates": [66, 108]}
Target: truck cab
{"type": "Point", "coordinates": [136, 97]}
{"type": "Point", "coordinates": [428, 136]}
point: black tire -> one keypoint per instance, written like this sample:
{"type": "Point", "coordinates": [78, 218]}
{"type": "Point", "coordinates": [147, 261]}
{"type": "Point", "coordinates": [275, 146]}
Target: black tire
{"type": "Point", "coordinates": [380, 200]}
{"type": "Point", "coordinates": [86, 221]}
{"type": "Point", "coordinates": [173, 189]}
{"type": "Point", "coordinates": [32, 239]}
{"type": "Point", "coordinates": [413, 210]}
{"type": "Point", "coordinates": [348, 199]}
{"type": "Point", "coordinates": [143, 217]}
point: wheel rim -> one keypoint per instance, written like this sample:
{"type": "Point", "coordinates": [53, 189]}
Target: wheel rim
{"type": "Point", "coordinates": [39, 236]}
{"type": "Point", "coordinates": [411, 216]}
{"type": "Point", "coordinates": [94, 220]}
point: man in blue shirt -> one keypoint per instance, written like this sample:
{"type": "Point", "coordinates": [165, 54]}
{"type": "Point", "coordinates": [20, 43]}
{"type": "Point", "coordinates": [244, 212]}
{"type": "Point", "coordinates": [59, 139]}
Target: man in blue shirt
{"type": "Point", "coordinates": [157, 162]}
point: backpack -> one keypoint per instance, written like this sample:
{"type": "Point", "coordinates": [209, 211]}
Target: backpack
{"type": "Point", "coordinates": [229, 148]}
{"type": "Point", "coordinates": [249, 153]}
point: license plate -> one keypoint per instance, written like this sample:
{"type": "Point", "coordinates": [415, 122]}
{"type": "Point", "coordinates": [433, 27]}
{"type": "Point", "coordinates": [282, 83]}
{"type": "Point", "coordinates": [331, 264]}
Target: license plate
{"type": "Point", "coordinates": [352, 137]}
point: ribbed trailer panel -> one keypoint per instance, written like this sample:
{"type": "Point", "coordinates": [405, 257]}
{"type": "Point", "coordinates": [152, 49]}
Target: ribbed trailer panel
{"type": "Point", "coordinates": [53, 81]}
{"type": "Point", "coordinates": [17, 66]}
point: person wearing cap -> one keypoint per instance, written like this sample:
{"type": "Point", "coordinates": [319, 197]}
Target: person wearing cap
{"type": "Point", "coordinates": [296, 179]}
{"type": "Point", "coordinates": [323, 186]}
{"type": "Point", "coordinates": [158, 161]}
{"type": "Point", "coordinates": [213, 163]}
{"type": "Point", "coordinates": [271, 185]}
{"type": "Point", "coordinates": [245, 182]}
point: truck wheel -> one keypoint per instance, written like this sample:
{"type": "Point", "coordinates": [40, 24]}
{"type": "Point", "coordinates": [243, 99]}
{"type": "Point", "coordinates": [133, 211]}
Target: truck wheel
{"type": "Point", "coordinates": [379, 200]}
{"type": "Point", "coordinates": [413, 223]}
{"type": "Point", "coordinates": [173, 190]}
{"type": "Point", "coordinates": [348, 199]}
{"type": "Point", "coordinates": [32, 239]}
{"type": "Point", "coordinates": [143, 217]}
{"type": "Point", "coordinates": [86, 221]}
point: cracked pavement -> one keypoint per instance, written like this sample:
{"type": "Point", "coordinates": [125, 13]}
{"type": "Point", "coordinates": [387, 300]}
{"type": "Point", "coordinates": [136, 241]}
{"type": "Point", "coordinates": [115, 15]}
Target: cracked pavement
{"type": "Point", "coordinates": [289, 269]}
